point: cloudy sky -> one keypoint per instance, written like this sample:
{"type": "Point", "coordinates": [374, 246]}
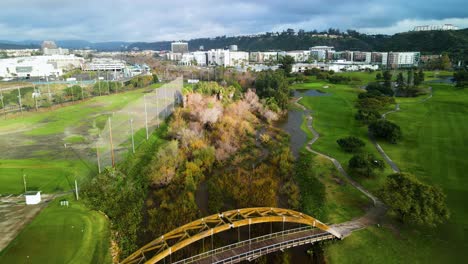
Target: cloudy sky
{"type": "Point", "coordinates": [154, 20]}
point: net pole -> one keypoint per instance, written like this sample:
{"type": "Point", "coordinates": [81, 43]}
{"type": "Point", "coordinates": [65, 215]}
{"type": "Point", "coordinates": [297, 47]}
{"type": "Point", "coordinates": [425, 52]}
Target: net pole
{"type": "Point", "coordinates": [146, 117]}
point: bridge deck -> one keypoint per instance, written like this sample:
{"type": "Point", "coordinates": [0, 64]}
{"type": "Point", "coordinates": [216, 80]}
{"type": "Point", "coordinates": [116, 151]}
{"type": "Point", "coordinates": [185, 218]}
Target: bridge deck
{"type": "Point", "coordinates": [252, 251]}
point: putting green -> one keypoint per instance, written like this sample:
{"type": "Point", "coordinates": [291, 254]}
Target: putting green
{"type": "Point", "coordinates": [61, 234]}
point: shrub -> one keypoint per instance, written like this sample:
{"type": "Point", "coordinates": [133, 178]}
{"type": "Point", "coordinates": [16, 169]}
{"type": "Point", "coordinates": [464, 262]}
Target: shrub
{"type": "Point", "coordinates": [350, 144]}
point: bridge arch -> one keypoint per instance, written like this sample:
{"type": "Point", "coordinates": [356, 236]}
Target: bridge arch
{"type": "Point", "coordinates": [185, 235]}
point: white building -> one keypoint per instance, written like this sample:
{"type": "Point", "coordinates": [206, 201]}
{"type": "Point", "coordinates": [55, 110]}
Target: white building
{"type": "Point", "coordinates": [238, 58]}
{"type": "Point", "coordinates": [38, 66]}
{"type": "Point", "coordinates": [218, 57]}
{"type": "Point", "coordinates": [32, 197]}
{"type": "Point", "coordinates": [56, 51]}
{"type": "Point", "coordinates": [298, 55]}
{"type": "Point", "coordinates": [20, 52]}
{"type": "Point", "coordinates": [321, 48]}
{"type": "Point", "coordinates": [198, 57]}
{"type": "Point", "coordinates": [336, 66]}
{"type": "Point", "coordinates": [263, 57]}
{"type": "Point", "coordinates": [104, 64]}
{"type": "Point", "coordinates": [227, 57]}
{"type": "Point", "coordinates": [435, 27]}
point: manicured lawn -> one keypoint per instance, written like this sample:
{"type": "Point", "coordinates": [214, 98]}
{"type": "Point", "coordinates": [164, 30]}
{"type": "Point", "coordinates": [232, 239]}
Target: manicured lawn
{"type": "Point", "coordinates": [334, 119]}
{"type": "Point", "coordinates": [435, 136]}
{"type": "Point", "coordinates": [434, 148]}
{"type": "Point", "coordinates": [62, 235]}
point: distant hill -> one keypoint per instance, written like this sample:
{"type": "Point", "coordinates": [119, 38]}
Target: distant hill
{"type": "Point", "coordinates": [6, 45]}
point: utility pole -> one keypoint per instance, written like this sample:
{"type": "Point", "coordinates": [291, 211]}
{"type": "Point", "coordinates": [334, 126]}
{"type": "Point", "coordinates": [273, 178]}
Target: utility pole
{"type": "Point", "coordinates": [24, 182]}
{"type": "Point", "coordinates": [99, 84]}
{"type": "Point", "coordinates": [157, 108]}
{"type": "Point", "coordinates": [76, 190]}
{"type": "Point", "coordinates": [98, 160]}
{"type": "Point", "coordinates": [3, 104]}
{"type": "Point", "coordinates": [131, 131]}
{"type": "Point", "coordinates": [35, 97]}
{"type": "Point", "coordinates": [111, 143]}
{"type": "Point", "coordinates": [146, 117]}
{"type": "Point", "coordinates": [19, 99]}
{"type": "Point", "coordinates": [48, 89]}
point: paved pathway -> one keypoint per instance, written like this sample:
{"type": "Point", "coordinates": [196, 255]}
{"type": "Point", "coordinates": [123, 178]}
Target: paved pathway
{"type": "Point", "coordinates": [373, 214]}
{"type": "Point", "coordinates": [377, 145]}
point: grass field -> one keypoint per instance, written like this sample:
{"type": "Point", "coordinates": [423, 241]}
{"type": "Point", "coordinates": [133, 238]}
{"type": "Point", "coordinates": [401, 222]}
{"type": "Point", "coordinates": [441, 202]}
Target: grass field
{"type": "Point", "coordinates": [45, 175]}
{"type": "Point", "coordinates": [433, 147]}
{"type": "Point", "coordinates": [62, 235]}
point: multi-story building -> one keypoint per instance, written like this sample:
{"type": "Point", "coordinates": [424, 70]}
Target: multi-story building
{"type": "Point", "coordinates": [227, 57]}
{"type": "Point", "coordinates": [238, 58]}
{"type": "Point", "coordinates": [298, 55]}
{"type": "Point", "coordinates": [55, 51]}
{"type": "Point", "coordinates": [199, 58]}
{"type": "Point", "coordinates": [361, 56]}
{"type": "Point", "coordinates": [38, 66]}
{"type": "Point", "coordinates": [263, 57]}
{"type": "Point", "coordinates": [435, 27]}
{"type": "Point", "coordinates": [179, 47]}
{"type": "Point", "coordinates": [403, 59]}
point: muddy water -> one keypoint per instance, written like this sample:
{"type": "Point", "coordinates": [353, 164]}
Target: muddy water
{"type": "Point", "coordinates": [292, 122]}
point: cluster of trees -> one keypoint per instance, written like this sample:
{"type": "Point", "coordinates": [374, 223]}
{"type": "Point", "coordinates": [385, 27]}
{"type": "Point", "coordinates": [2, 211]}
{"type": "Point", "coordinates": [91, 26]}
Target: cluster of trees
{"type": "Point", "coordinates": [385, 129]}
{"type": "Point", "coordinates": [365, 164]}
{"type": "Point", "coordinates": [273, 86]}
{"type": "Point", "coordinates": [371, 103]}
{"type": "Point", "coordinates": [351, 144]}
{"type": "Point", "coordinates": [413, 201]}
{"type": "Point", "coordinates": [461, 78]}
{"type": "Point", "coordinates": [409, 86]}
{"type": "Point", "coordinates": [217, 146]}
{"type": "Point", "coordinates": [441, 63]}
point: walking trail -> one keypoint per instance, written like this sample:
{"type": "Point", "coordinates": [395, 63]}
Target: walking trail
{"type": "Point", "coordinates": [373, 214]}
{"type": "Point", "coordinates": [377, 145]}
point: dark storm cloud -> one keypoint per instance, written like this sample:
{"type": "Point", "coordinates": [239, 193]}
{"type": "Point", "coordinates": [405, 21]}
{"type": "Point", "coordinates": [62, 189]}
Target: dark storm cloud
{"type": "Point", "coordinates": [148, 20]}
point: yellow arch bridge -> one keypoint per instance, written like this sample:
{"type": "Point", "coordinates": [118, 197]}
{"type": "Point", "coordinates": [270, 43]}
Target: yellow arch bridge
{"type": "Point", "coordinates": [177, 239]}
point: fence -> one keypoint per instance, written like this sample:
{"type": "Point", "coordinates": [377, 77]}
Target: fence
{"type": "Point", "coordinates": [124, 130]}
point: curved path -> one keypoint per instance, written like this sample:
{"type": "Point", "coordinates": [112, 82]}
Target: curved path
{"type": "Point", "coordinates": [374, 213]}
{"type": "Point", "coordinates": [377, 145]}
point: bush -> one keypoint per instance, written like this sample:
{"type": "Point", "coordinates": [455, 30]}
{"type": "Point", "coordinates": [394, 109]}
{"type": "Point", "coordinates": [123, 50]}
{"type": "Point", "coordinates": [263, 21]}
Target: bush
{"type": "Point", "coordinates": [365, 164]}
{"type": "Point", "coordinates": [350, 144]}
{"type": "Point", "coordinates": [386, 130]}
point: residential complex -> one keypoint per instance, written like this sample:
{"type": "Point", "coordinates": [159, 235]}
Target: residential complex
{"type": "Point", "coordinates": [435, 27]}
{"type": "Point", "coordinates": [314, 56]}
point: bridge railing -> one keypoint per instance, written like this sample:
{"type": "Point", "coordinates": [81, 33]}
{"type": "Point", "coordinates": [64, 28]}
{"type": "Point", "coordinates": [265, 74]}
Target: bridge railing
{"type": "Point", "coordinates": [255, 253]}
{"type": "Point", "coordinates": [243, 243]}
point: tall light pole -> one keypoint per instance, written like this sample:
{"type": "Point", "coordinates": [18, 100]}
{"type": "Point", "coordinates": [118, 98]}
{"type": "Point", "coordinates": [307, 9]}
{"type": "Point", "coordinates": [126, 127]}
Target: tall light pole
{"type": "Point", "coordinates": [146, 117]}
{"type": "Point", "coordinates": [19, 100]}
{"type": "Point", "coordinates": [131, 131]}
{"type": "Point", "coordinates": [3, 104]}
